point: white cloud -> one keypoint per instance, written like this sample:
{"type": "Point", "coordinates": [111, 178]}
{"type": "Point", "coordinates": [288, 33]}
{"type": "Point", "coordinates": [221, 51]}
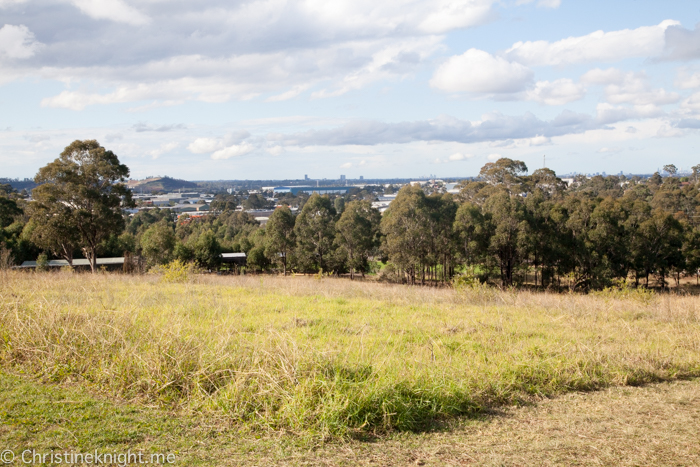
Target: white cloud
{"type": "Point", "coordinates": [608, 114]}
{"type": "Point", "coordinates": [541, 3]}
{"type": "Point", "coordinates": [539, 141]}
{"type": "Point", "coordinates": [113, 10]}
{"type": "Point", "coordinates": [460, 157]}
{"type": "Point", "coordinates": [17, 42]}
{"type": "Point", "coordinates": [347, 165]}
{"type": "Point", "coordinates": [629, 88]}
{"type": "Point", "coordinates": [494, 157]}
{"type": "Point", "coordinates": [275, 150]}
{"type": "Point", "coordinates": [164, 148]}
{"type": "Point", "coordinates": [599, 46]}
{"type": "Point", "coordinates": [686, 80]}
{"type": "Point", "coordinates": [205, 145]}
{"type": "Point", "coordinates": [234, 150]}
{"type": "Point", "coordinates": [559, 92]}
{"type": "Point", "coordinates": [445, 15]}
{"type": "Point", "coordinates": [692, 103]}
{"type": "Point", "coordinates": [476, 71]}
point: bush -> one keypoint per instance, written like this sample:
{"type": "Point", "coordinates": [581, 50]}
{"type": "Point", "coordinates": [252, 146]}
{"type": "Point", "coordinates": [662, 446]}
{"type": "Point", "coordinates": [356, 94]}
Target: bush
{"type": "Point", "coordinates": [625, 289]}
{"type": "Point", "coordinates": [390, 274]}
{"type": "Point", "coordinates": [174, 271]}
{"type": "Point", "coordinates": [42, 262]}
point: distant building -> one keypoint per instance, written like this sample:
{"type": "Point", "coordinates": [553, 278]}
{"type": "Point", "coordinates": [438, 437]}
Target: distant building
{"type": "Point", "coordinates": [361, 177]}
{"type": "Point", "coordinates": [322, 190]}
{"type": "Point", "coordinates": [342, 178]}
{"type": "Point", "coordinates": [108, 263]}
{"type": "Point", "coordinates": [306, 177]}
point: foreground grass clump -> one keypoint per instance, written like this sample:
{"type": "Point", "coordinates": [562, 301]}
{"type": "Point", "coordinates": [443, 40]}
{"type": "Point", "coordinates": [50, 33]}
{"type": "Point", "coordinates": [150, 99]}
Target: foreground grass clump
{"type": "Point", "coordinates": [327, 358]}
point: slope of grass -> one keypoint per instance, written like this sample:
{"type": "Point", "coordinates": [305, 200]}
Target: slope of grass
{"type": "Point", "coordinates": [332, 358]}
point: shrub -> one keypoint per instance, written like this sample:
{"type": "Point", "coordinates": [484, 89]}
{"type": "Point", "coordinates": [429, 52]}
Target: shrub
{"type": "Point", "coordinates": [42, 262]}
{"type": "Point", "coordinates": [174, 271]}
{"type": "Point", "coordinates": [624, 289]}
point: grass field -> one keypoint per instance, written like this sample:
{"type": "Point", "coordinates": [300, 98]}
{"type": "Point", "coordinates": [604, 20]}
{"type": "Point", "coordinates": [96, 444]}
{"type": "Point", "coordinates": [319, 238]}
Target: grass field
{"type": "Point", "coordinates": [314, 360]}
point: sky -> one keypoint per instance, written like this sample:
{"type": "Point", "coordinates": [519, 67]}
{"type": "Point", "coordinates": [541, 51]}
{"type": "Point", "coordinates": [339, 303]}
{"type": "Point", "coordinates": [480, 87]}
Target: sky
{"type": "Point", "coordinates": [279, 89]}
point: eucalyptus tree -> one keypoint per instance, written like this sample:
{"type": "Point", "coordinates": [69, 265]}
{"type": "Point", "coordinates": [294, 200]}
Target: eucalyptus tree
{"type": "Point", "coordinates": [279, 237]}
{"type": "Point", "coordinates": [358, 234]}
{"type": "Point", "coordinates": [472, 233]}
{"type": "Point", "coordinates": [505, 172]}
{"type": "Point", "coordinates": [80, 199]}
{"type": "Point", "coordinates": [158, 242]}
{"type": "Point", "coordinates": [404, 228]}
{"type": "Point", "coordinates": [442, 211]}
{"type": "Point", "coordinates": [507, 242]}
{"type": "Point", "coordinates": [314, 229]}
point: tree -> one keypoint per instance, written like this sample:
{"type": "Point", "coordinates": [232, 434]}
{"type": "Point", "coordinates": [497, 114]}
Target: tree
{"type": "Point", "coordinates": [358, 234]}
{"type": "Point", "coordinates": [8, 210]}
{"type": "Point", "coordinates": [315, 231]}
{"type": "Point", "coordinates": [696, 171]}
{"type": "Point", "coordinates": [547, 181]}
{"type": "Point", "coordinates": [504, 171]}
{"type": "Point", "coordinates": [404, 226]}
{"type": "Point", "coordinates": [158, 242]}
{"type": "Point", "coordinates": [80, 198]}
{"type": "Point", "coordinates": [507, 215]}
{"type": "Point", "coordinates": [224, 202]}
{"type": "Point", "coordinates": [255, 201]}
{"type": "Point", "coordinates": [207, 251]}
{"type": "Point", "coordinates": [472, 233]}
{"type": "Point", "coordinates": [670, 169]}
{"type": "Point", "coordinates": [279, 236]}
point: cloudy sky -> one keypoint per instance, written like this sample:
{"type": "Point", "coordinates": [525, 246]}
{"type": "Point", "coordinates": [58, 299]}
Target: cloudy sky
{"type": "Point", "coordinates": [231, 89]}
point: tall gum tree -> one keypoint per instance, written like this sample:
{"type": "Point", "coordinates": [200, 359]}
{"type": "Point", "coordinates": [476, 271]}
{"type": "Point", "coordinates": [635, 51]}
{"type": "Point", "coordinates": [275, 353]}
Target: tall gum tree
{"type": "Point", "coordinates": [83, 194]}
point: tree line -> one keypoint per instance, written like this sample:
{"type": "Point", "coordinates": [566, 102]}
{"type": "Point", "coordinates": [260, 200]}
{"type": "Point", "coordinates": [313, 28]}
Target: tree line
{"type": "Point", "coordinates": [504, 227]}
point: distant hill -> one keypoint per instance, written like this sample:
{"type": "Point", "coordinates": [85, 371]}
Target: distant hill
{"type": "Point", "coordinates": [161, 184]}
{"type": "Point", "coordinates": [19, 185]}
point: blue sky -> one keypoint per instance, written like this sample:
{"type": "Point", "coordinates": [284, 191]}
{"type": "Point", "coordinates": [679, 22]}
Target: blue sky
{"type": "Point", "coordinates": [217, 89]}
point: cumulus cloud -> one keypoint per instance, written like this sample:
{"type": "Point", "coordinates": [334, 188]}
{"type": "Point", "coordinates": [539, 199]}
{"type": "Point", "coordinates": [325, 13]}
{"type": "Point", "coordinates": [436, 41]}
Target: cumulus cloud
{"type": "Point", "coordinates": [17, 42]}
{"type": "Point", "coordinates": [541, 3]}
{"type": "Point", "coordinates": [692, 103]}
{"type": "Point", "coordinates": [599, 46]}
{"type": "Point", "coordinates": [559, 92]}
{"type": "Point", "coordinates": [205, 145]}
{"type": "Point", "coordinates": [164, 148]}
{"type": "Point", "coordinates": [493, 157]}
{"type": "Point", "coordinates": [476, 71]}
{"type": "Point", "coordinates": [459, 157]}
{"type": "Point", "coordinates": [235, 150]}
{"type": "Point", "coordinates": [347, 165]}
{"type": "Point", "coordinates": [540, 141]}
{"type": "Point", "coordinates": [630, 88]}
{"type": "Point", "coordinates": [681, 43]}
{"type": "Point", "coordinates": [608, 114]}
{"type": "Point", "coordinates": [216, 51]}
{"type": "Point", "coordinates": [234, 144]}
{"type": "Point", "coordinates": [687, 79]}
{"type": "Point", "coordinates": [275, 150]}
{"type": "Point", "coordinates": [113, 10]}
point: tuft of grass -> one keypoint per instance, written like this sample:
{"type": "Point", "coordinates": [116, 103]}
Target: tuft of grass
{"type": "Point", "coordinates": [334, 358]}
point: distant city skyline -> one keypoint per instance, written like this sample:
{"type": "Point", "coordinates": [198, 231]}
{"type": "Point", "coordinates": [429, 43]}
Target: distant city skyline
{"type": "Point", "coordinates": [268, 88]}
